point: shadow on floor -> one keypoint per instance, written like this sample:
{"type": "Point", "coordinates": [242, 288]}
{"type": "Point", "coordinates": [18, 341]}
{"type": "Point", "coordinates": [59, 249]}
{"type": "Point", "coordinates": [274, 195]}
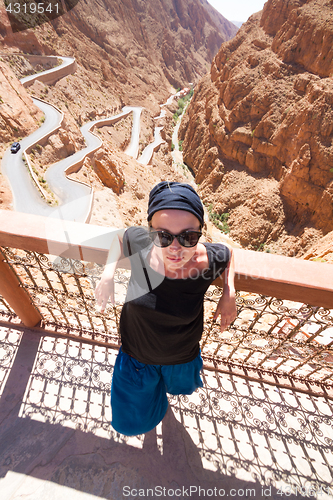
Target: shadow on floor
{"type": "Point", "coordinates": [232, 438]}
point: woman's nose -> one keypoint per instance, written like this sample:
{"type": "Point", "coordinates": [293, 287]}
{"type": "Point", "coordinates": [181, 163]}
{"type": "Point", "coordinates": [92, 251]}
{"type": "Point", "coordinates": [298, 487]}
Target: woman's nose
{"type": "Point", "coordinates": [175, 245]}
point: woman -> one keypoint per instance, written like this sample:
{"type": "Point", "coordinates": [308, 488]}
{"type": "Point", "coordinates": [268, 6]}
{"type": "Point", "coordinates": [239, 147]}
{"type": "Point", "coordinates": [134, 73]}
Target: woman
{"type": "Point", "coordinates": [162, 319]}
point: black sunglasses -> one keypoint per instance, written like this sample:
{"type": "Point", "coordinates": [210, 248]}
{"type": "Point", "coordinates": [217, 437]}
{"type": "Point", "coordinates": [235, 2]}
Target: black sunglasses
{"type": "Point", "coordinates": [164, 238]}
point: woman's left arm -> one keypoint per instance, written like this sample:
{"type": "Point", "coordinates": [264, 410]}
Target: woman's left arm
{"type": "Point", "coordinates": [226, 306]}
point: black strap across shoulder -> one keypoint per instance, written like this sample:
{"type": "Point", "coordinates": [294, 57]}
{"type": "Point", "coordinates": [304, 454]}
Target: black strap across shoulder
{"type": "Point", "coordinates": [142, 263]}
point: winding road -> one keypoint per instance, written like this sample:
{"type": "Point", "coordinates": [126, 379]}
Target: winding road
{"type": "Point", "coordinates": [76, 198]}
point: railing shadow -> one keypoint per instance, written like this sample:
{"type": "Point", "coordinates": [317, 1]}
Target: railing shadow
{"type": "Point", "coordinates": [243, 438]}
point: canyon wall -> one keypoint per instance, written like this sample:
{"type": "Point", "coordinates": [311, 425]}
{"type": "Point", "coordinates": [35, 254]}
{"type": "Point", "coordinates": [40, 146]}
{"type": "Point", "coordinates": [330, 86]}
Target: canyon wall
{"type": "Point", "coordinates": [133, 49]}
{"type": "Point", "coordinates": [258, 133]}
{"type": "Point", "coordinates": [18, 113]}
{"type": "Point", "coordinates": [128, 52]}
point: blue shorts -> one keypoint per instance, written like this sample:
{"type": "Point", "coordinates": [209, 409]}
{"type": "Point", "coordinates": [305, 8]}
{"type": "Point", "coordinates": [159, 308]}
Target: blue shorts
{"type": "Point", "coordinates": [138, 391]}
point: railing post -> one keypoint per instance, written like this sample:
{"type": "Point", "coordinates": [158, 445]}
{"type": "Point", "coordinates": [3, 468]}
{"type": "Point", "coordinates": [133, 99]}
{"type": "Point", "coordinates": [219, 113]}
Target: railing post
{"type": "Point", "coordinates": [17, 297]}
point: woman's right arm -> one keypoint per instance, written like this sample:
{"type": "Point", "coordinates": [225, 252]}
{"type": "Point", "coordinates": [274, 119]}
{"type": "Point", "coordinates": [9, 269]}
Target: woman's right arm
{"type": "Point", "coordinates": [105, 287]}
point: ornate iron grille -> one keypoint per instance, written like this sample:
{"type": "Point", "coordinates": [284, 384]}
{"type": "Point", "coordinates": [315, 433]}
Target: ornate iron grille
{"type": "Point", "coordinates": [63, 292]}
{"type": "Point", "coordinates": [270, 335]}
{"type": "Point", "coordinates": [273, 336]}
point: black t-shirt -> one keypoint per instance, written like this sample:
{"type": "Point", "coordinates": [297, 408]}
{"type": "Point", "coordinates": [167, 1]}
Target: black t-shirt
{"type": "Point", "coordinates": [162, 319]}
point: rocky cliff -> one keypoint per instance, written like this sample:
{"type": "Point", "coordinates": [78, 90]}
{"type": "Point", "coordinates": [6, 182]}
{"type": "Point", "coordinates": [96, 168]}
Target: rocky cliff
{"type": "Point", "coordinates": [18, 114]}
{"type": "Point", "coordinates": [258, 133]}
{"type": "Point", "coordinates": [132, 49]}
{"type": "Point", "coordinates": [131, 52]}
{"type": "Point", "coordinates": [18, 118]}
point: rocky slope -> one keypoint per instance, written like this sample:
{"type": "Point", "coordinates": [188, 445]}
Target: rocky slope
{"type": "Point", "coordinates": [258, 133]}
{"type": "Point", "coordinates": [18, 118]}
{"type": "Point", "coordinates": [131, 49]}
{"type": "Point", "coordinates": [128, 52]}
{"type": "Point", "coordinates": [18, 114]}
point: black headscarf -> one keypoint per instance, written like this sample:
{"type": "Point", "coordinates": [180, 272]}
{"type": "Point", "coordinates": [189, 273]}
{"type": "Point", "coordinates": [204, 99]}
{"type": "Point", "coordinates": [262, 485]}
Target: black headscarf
{"type": "Point", "coordinates": [177, 196]}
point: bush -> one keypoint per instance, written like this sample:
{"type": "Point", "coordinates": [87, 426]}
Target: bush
{"type": "Point", "coordinates": [219, 220]}
{"type": "Point", "coordinates": [181, 104]}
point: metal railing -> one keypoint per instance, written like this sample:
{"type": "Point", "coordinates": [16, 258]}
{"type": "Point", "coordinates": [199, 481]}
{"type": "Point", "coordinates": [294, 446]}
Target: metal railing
{"type": "Point", "coordinates": [278, 340]}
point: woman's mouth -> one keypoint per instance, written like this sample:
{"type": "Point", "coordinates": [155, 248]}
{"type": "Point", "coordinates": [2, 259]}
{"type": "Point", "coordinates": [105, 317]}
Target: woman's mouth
{"type": "Point", "coordinates": [175, 259]}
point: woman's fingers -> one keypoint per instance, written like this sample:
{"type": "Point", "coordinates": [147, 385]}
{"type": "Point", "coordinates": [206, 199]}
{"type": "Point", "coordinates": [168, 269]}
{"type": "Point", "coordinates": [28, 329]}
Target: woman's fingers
{"type": "Point", "coordinates": [228, 312]}
{"type": "Point", "coordinates": [103, 291]}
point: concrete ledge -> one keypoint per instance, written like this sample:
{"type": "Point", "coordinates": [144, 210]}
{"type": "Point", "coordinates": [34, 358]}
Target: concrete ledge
{"type": "Point", "coordinates": [51, 76]}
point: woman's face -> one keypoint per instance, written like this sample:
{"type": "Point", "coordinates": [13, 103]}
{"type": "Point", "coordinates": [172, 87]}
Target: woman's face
{"type": "Point", "coordinates": [175, 256]}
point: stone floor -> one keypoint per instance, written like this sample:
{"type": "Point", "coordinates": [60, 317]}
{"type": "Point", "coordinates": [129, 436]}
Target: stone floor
{"type": "Point", "coordinates": [232, 438]}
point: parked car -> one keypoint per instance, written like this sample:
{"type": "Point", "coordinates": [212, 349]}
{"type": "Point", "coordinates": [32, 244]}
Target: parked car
{"type": "Point", "coordinates": [15, 147]}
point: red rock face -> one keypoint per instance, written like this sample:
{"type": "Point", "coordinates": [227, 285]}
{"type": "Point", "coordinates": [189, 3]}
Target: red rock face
{"type": "Point", "coordinates": [265, 112]}
{"type": "Point", "coordinates": [109, 171]}
{"type": "Point", "coordinates": [18, 114]}
{"type": "Point", "coordinates": [127, 52]}
{"type": "Point", "coordinates": [133, 47]}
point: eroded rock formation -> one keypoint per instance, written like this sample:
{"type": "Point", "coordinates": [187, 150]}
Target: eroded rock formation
{"type": "Point", "coordinates": [258, 133]}
{"type": "Point", "coordinates": [127, 51]}
{"type": "Point", "coordinates": [108, 170]}
{"type": "Point", "coordinates": [134, 49]}
{"type": "Point", "coordinates": [18, 114]}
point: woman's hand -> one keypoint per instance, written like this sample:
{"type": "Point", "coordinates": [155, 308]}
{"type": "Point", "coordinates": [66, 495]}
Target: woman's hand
{"type": "Point", "coordinates": [226, 307]}
{"type": "Point", "coordinates": [103, 291]}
